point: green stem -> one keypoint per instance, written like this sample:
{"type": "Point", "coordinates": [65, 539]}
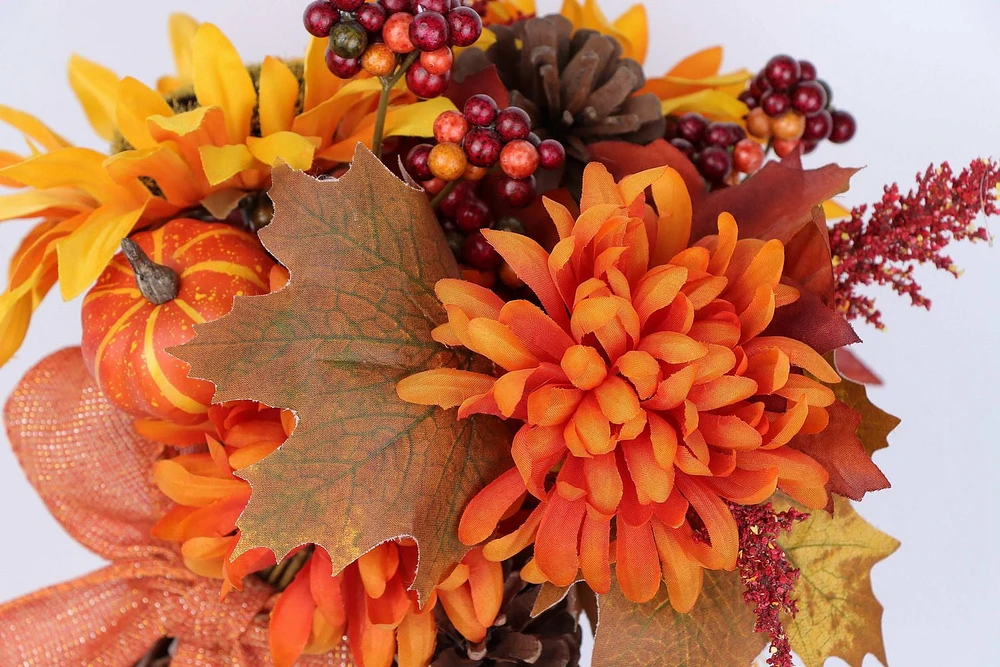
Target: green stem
{"type": "Point", "coordinates": [388, 83]}
{"type": "Point", "coordinates": [445, 191]}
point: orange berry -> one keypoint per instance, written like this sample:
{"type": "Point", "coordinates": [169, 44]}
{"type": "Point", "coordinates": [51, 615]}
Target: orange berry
{"type": "Point", "coordinates": [433, 186]}
{"type": "Point", "coordinates": [519, 159]}
{"type": "Point", "coordinates": [509, 277]}
{"type": "Point", "coordinates": [437, 62]}
{"type": "Point", "coordinates": [378, 60]}
{"type": "Point", "coordinates": [450, 126]}
{"type": "Point", "coordinates": [789, 126]}
{"type": "Point", "coordinates": [447, 161]}
{"type": "Point", "coordinates": [784, 147]}
{"type": "Point", "coordinates": [396, 32]}
{"type": "Point", "coordinates": [759, 124]}
{"type": "Point", "coordinates": [474, 173]}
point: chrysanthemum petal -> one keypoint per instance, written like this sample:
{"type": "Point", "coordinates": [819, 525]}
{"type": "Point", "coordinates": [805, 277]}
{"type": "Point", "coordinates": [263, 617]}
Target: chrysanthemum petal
{"type": "Point", "coordinates": [530, 262]}
{"type": "Point", "coordinates": [291, 620]}
{"type": "Point", "coordinates": [682, 575]}
{"type": "Point", "coordinates": [485, 510]}
{"type": "Point", "coordinates": [799, 354]}
{"type": "Point", "coordinates": [445, 387]}
{"type": "Point", "coordinates": [673, 206]}
{"type": "Point", "coordinates": [558, 536]}
{"type": "Point", "coordinates": [637, 563]}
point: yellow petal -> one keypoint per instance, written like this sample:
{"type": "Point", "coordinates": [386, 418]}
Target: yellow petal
{"type": "Point", "coordinates": [34, 203]}
{"type": "Point", "coordinates": [412, 120]}
{"type": "Point", "coordinates": [634, 25]}
{"type": "Point", "coordinates": [136, 103]}
{"type": "Point", "coordinates": [80, 168]}
{"type": "Point", "coordinates": [97, 89]}
{"type": "Point", "coordinates": [223, 162]}
{"type": "Point", "coordinates": [323, 119]}
{"type": "Point", "coordinates": [182, 31]}
{"type": "Point", "coordinates": [221, 79]}
{"type": "Point", "coordinates": [321, 83]}
{"type": "Point", "coordinates": [835, 211]}
{"type": "Point", "coordinates": [161, 163]}
{"type": "Point", "coordinates": [294, 150]}
{"type": "Point", "coordinates": [731, 79]}
{"type": "Point", "coordinates": [204, 126]}
{"type": "Point", "coordinates": [15, 314]}
{"type": "Point", "coordinates": [85, 253]}
{"type": "Point", "coordinates": [279, 93]}
{"type": "Point", "coordinates": [714, 103]}
{"type": "Point", "coordinates": [33, 128]}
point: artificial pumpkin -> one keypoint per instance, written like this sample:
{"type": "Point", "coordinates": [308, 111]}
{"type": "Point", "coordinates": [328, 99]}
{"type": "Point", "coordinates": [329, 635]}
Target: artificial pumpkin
{"type": "Point", "coordinates": [147, 301]}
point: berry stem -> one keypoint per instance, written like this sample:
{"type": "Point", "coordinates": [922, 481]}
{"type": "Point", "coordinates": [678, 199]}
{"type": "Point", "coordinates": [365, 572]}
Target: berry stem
{"type": "Point", "coordinates": [388, 83]}
{"type": "Point", "coordinates": [445, 191]}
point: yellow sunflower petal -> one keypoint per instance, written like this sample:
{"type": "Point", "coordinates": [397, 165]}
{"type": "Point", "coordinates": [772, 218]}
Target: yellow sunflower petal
{"type": "Point", "coordinates": [204, 126]}
{"type": "Point", "coordinates": [15, 314]}
{"type": "Point", "coordinates": [634, 24]}
{"type": "Point", "coordinates": [34, 203]}
{"type": "Point", "coordinates": [97, 89]}
{"type": "Point", "coordinates": [161, 163]}
{"type": "Point", "coordinates": [323, 119]}
{"type": "Point", "coordinates": [223, 162]}
{"type": "Point", "coordinates": [221, 79]}
{"type": "Point", "coordinates": [294, 150]}
{"type": "Point", "coordinates": [136, 103]}
{"type": "Point", "coordinates": [835, 211]}
{"type": "Point", "coordinates": [68, 167]}
{"type": "Point", "coordinates": [412, 120]}
{"type": "Point", "coordinates": [85, 253]}
{"type": "Point", "coordinates": [279, 93]}
{"type": "Point", "coordinates": [321, 83]}
{"type": "Point", "coordinates": [707, 102]}
{"type": "Point", "coordinates": [33, 128]}
{"type": "Point", "coordinates": [182, 29]}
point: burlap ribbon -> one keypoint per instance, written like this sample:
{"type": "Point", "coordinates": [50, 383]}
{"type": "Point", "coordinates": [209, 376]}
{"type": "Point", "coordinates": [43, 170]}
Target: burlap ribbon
{"type": "Point", "coordinates": [93, 472]}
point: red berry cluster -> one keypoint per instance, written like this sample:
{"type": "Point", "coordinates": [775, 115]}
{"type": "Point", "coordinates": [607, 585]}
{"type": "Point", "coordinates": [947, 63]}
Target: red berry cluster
{"type": "Point", "coordinates": [721, 151]}
{"type": "Point", "coordinates": [472, 142]}
{"type": "Point", "coordinates": [464, 213]}
{"type": "Point", "coordinates": [791, 106]}
{"type": "Point", "coordinates": [378, 36]}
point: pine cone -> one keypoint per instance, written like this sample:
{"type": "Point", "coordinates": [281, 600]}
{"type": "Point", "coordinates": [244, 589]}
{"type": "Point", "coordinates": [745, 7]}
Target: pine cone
{"type": "Point", "coordinates": [550, 640]}
{"type": "Point", "coordinates": [575, 85]}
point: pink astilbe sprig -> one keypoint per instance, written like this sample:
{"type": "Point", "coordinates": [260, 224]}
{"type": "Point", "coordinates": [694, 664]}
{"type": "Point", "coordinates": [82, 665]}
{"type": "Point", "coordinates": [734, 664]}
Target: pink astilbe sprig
{"type": "Point", "coordinates": [902, 232]}
{"type": "Point", "coordinates": [766, 573]}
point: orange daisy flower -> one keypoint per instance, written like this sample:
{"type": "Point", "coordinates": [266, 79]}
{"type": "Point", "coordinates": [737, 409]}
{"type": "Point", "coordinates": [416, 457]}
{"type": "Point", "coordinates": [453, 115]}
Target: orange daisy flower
{"type": "Point", "coordinates": [648, 393]}
{"type": "Point", "coordinates": [370, 601]}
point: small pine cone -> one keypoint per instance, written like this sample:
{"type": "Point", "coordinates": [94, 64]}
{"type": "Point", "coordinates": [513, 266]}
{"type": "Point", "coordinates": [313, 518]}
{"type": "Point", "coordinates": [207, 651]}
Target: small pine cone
{"type": "Point", "coordinates": [576, 86]}
{"type": "Point", "coordinates": [550, 640]}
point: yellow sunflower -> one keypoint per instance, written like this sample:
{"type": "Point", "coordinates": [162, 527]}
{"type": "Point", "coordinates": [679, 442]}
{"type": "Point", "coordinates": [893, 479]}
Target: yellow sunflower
{"type": "Point", "coordinates": [203, 138]}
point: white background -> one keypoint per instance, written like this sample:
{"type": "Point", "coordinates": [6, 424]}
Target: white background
{"type": "Point", "coordinates": [922, 79]}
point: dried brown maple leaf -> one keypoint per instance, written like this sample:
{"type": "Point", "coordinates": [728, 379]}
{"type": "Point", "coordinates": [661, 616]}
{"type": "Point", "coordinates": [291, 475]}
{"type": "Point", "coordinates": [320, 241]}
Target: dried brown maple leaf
{"type": "Point", "coordinates": [838, 613]}
{"type": "Point", "coordinates": [718, 631]}
{"type": "Point", "coordinates": [362, 466]}
{"type": "Point", "coordinates": [876, 423]}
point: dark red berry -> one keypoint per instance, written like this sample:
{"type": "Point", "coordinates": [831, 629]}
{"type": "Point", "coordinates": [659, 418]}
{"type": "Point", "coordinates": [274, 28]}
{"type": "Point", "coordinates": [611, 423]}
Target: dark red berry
{"type": "Point", "coordinates": [481, 110]}
{"type": "Point", "coordinates": [466, 26]}
{"type": "Point", "coordinates": [807, 71]}
{"type": "Point", "coordinates": [472, 214]}
{"type": "Point", "coordinates": [482, 146]}
{"type": "Point", "coordinates": [417, 162]}
{"type": "Point", "coordinates": [844, 127]}
{"type": "Point", "coordinates": [760, 83]}
{"type": "Point", "coordinates": [517, 192]}
{"type": "Point", "coordinates": [808, 97]}
{"type": "Point", "coordinates": [348, 39]}
{"type": "Point", "coordinates": [782, 72]}
{"type": "Point", "coordinates": [715, 163]}
{"type": "Point", "coordinates": [818, 126]}
{"type": "Point", "coordinates": [479, 254]}
{"type": "Point", "coordinates": [513, 123]}
{"type": "Point", "coordinates": [551, 154]}
{"type": "Point", "coordinates": [429, 31]}
{"type": "Point", "coordinates": [394, 6]}
{"type": "Point", "coordinates": [808, 146]}
{"type": "Point", "coordinates": [684, 146]}
{"type": "Point", "coordinates": [829, 91]}
{"type": "Point", "coordinates": [345, 68]}
{"type": "Point", "coordinates": [535, 140]}
{"type": "Point", "coordinates": [348, 5]}
{"type": "Point", "coordinates": [749, 98]}
{"type": "Point", "coordinates": [320, 17]}
{"type": "Point", "coordinates": [449, 205]}
{"type": "Point", "coordinates": [509, 223]}
{"type": "Point", "coordinates": [456, 241]}
{"type": "Point", "coordinates": [439, 6]}
{"type": "Point", "coordinates": [722, 134]}
{"type": "Point", "coordinates": [371, 17]}
{"type": "Point", "coordinates": [424, 84]}
{"type": "Point", "coordinates": [775, 103]}
{"type": "Point", "coordinates": [691, 126]}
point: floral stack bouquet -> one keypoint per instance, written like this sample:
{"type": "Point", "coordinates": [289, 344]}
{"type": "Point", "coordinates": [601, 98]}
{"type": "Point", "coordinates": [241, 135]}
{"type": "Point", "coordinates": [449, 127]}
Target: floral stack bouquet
{"type": "Point", "coordinates": [450, 337]}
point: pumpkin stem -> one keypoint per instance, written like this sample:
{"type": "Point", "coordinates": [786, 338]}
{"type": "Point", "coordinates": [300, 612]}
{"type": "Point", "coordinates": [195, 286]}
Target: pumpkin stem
{"type": "Point", "coordinates": [158, 283]}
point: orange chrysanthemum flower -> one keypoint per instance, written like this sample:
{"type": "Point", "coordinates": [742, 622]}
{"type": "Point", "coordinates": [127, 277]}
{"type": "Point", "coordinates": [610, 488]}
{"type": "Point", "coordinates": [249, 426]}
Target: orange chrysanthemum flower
{"type": "Point", "coordinates": [648, 393]}
{"type": "Point", "coordinates": [370, 601]}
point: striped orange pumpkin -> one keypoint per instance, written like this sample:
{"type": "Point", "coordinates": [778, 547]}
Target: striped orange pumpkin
{"type": "Point", "coordinates": [126, 335]}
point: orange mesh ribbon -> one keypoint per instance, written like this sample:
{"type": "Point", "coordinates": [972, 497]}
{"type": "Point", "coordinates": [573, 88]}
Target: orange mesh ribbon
{"type": "Point", "coordinates": [93, 472]}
